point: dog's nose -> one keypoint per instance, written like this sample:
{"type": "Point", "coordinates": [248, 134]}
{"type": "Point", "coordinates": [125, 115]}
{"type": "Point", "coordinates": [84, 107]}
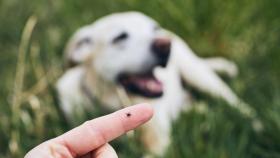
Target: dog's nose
{"type": "Point", "coordinates": [161, 48]}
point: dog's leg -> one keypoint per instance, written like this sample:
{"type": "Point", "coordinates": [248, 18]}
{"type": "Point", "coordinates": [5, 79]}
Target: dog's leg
{"type": "Point", "coordinates": [198, 74]}
{"type": "Point", "coordinates": [222, 66]}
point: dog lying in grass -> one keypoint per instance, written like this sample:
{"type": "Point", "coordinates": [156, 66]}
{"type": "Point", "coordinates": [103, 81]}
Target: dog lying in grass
{"type": "Point", "coordinates": [127, 58]}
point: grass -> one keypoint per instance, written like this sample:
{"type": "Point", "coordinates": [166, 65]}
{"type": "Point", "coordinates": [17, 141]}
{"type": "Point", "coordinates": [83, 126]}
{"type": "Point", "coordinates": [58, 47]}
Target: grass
{"type": "Point", "coordinates": [247, 32]}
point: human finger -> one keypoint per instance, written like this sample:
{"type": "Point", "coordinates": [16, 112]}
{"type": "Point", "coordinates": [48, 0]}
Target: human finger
{"type": "Point", "coordinates": [97, 132]}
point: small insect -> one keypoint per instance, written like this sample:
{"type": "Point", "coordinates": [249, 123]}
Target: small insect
{"type": "Point", "coordinates": [128, 114]}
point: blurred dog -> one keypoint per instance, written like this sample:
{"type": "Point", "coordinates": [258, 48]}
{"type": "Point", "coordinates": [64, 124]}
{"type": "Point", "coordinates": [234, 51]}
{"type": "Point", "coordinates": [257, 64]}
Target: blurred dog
{"type": "Point", "coordinates": [127, 58]}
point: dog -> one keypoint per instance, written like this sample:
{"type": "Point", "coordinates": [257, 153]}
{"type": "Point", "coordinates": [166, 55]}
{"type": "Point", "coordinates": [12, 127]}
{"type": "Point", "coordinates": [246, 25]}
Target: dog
{"type": "Point", "coordinates": [127, 58]}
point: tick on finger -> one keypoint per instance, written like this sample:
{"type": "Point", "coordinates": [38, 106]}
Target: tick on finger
{"type": "Point", "coordinates": [128, 114]}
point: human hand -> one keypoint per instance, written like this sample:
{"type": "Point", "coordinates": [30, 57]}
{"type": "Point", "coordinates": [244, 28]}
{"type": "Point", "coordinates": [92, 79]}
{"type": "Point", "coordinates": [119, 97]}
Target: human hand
{"type": "Point", "coordinates": [90, 140]}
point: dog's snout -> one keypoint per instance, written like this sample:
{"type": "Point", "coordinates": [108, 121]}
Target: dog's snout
{"type": "Point", "coordinates": [161, 48]}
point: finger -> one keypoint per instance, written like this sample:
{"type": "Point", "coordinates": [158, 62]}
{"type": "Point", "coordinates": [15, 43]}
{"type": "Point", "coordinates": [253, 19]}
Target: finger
{"type": "Point", "coordinates": [95, 133]}
{"type": "Point", "coordinates": [105, 151]}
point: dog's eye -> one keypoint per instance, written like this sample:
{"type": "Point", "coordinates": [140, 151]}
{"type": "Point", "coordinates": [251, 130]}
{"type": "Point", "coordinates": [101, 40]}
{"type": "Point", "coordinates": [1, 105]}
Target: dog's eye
{"type": "Point", "coordinates": [84, 41]}
{"type": "Point", "coordinates": [120, 37]}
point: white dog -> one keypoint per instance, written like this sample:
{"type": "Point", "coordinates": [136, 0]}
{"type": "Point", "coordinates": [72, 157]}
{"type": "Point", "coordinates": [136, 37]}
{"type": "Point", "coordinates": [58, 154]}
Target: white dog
{"type": "Point", "coordinates": [125, 59]}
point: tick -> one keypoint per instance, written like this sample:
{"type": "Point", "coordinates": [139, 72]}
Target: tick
{"type": "Point", "coordinates": [128, 114]}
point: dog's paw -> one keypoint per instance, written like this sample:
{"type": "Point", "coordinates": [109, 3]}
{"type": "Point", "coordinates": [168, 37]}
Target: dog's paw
{"type": "Point", "coordinates": [231, 69]}
{"type": "Point", "coordinates": [222, 66]}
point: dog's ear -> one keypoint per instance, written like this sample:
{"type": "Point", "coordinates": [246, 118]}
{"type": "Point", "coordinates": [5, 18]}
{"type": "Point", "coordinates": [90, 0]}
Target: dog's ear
{"type": "Point", "coordinates": [79, 48]}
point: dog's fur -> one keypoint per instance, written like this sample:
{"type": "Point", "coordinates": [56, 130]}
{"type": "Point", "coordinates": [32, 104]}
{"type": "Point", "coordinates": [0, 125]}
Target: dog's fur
{"type": "Point", "coordinates": [121, 43]}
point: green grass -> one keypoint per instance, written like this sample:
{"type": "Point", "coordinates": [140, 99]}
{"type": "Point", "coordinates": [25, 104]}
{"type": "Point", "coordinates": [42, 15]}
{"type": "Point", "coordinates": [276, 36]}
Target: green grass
{"type": "Point", "coordinates": [246, 31]}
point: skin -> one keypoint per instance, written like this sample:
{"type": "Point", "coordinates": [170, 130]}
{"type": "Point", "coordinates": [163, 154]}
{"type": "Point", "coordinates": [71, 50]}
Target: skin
{"type": "Point", "coordinates": [90, 140]}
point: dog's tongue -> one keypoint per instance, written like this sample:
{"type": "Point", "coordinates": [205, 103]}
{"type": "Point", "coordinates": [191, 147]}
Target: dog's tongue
{"type": "Point", "coordinates": [145, 84]}
{"type": "Point", "coordinates": [149, 84]}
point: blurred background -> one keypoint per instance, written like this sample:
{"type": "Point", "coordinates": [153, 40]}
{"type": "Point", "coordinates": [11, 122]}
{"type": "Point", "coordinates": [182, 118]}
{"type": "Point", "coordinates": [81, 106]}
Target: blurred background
{"type": "Point", "coordinates": [247, 32]}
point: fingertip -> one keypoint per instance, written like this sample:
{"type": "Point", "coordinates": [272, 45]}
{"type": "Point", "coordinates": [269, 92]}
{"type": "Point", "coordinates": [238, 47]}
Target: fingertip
{"type": "Point", "coordinates": [149, 110]}
{"type": "Point", "coordinates": [145, 109]}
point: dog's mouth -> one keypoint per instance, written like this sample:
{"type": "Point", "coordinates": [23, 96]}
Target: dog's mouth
{"type": "Point", "coordinates": [142, 84]}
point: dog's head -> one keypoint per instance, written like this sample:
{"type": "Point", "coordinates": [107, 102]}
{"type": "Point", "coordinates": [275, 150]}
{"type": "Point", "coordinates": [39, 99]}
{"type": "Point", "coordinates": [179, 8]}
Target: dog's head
{"type": "Point", "coordinates": [123, 48]}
